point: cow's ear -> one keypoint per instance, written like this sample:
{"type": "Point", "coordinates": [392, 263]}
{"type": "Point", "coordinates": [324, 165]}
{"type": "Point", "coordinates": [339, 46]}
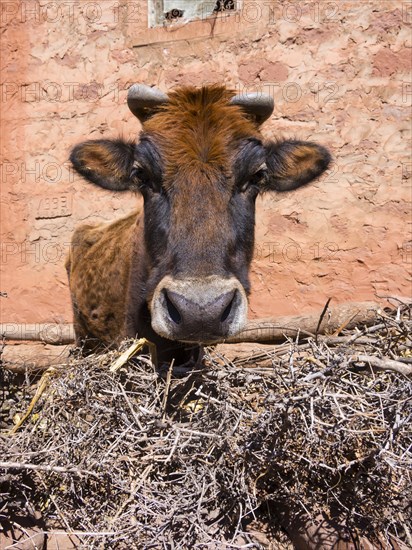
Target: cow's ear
{"type": "Point", "coordinates": [294, 163]}
{"type": "Point", "coordinates": [107, 163]}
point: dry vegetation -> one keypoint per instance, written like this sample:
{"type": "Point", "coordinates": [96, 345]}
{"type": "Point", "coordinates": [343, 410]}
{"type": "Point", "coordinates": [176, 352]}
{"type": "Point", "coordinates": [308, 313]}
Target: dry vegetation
{"type": "Point", "coordinates": [258, 451]}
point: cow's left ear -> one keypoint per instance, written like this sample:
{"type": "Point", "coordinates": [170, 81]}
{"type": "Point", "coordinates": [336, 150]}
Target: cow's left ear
{"type": "Point", "coordinates": [294, 163]}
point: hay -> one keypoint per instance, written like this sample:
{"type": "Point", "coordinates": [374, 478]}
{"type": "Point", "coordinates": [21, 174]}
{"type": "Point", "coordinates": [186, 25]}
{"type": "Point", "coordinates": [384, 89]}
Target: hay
{"type": "Point", "coordinates": [215, 458]}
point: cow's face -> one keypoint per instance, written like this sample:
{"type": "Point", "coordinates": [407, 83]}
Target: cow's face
{"type": "Point", "coordinates": [199, 164]}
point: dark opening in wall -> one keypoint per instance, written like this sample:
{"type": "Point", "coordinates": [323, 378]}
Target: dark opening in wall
{"type": "Point", "coordinates": [174, 14]}
{"type": "Point", "coordinates": [225, 5]}
{"type": "Point", "coordinates": [162, 11]}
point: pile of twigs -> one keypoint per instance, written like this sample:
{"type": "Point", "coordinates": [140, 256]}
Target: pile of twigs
{"type": "Point", "coordinates": [283, 439]}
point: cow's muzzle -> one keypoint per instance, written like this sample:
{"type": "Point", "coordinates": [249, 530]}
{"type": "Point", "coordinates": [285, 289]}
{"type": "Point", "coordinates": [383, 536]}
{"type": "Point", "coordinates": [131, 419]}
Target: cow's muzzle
{"type": "Point", "coordinates": [198, 310]}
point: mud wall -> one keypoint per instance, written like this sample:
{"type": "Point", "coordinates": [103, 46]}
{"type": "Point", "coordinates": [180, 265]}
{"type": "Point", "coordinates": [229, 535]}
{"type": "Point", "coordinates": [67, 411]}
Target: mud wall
{"type": "Point", "coordinates": [340, 74]}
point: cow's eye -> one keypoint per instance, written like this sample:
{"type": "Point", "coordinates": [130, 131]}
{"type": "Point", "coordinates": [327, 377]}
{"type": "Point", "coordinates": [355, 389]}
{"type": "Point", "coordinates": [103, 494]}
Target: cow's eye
{"type": "Point", "coordinates": [142, 177]}
{"type": "Point", "coordinates": [138, 172]}
{"type": "Point", "coordinates": [256, 179]}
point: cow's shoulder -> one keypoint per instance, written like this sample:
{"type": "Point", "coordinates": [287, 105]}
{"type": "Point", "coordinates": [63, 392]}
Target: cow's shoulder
{"type": "Point", "coordinates": [101, 239]}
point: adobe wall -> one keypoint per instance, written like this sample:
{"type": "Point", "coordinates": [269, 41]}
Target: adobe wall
{"type": "Point", "coordinates": [340, 73]}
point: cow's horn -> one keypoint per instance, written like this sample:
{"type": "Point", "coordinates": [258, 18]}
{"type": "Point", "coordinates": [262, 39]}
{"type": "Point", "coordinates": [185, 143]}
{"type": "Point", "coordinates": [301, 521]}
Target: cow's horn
{"type": "Point", "coordinates": [142, 100]}
{"type": "Point", "coordinates": [257, 104]}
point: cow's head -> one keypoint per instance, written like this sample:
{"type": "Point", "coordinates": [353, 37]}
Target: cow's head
{"type": "Point", "coordinates": [199, 163]}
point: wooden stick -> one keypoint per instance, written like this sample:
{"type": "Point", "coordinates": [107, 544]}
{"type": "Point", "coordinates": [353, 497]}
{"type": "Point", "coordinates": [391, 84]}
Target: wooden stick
{"type": "Point", "coordinates": [39, 392]}
{"type": "Point", "coordinates": [49, 333]}
{"type": "Point", "coordinates": [383, 364]}
{"type": "Point", "coordinates": [274, 330]}
{"type": "Point", "coordinates": [45, 468]}
{"type": "Point", "coordinates": [322, 315]}
{"type": "Point", "coordinates": [23, 358]}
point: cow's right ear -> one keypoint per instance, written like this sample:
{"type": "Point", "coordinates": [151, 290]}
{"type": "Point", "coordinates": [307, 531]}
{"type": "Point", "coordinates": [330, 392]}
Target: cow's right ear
{"type": "Point", "coordinates": [104, 162]}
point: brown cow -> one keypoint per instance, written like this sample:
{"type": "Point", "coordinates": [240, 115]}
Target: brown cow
{"type": "Point", "coordinates": [177, 273]}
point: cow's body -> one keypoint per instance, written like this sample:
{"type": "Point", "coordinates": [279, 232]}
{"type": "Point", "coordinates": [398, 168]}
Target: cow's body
{"type": "Point", "coordinates": [177, 272]}
{"type": "Point", "coordinates": [98, 295]}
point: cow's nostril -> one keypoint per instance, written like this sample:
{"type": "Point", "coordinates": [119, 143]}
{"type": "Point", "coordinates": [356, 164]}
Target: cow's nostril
{"type": "Point", "coordinates": [172, 310]}
{"type": "Point", "coordinates": [227, 309]}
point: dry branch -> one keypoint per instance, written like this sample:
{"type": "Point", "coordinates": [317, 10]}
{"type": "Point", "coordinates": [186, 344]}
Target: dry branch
{"type": "Point", "coordinates": [274, 330]}
{"type": "Point", "coordinates": [44, 468]}
{"type": "Point", "coordinates": [383, 364]}
{"type": "Point", "coordinates": [34, 357]}
{"type": "Point", "coordinates": [49, 333]}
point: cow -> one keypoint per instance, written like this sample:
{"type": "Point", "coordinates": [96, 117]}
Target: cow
{"type": "Point", "coordinates": [177, 272]}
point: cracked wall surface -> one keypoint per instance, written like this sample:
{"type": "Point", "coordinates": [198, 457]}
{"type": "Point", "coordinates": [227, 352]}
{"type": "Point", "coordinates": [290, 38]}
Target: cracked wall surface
{"type": "Point", "coordinates": [340, 74]}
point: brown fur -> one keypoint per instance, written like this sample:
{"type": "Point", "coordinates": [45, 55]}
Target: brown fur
{"type": "Point", "coordinates": [98, 266]}
{"type": "Point", "coordinates": [198, 130]}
